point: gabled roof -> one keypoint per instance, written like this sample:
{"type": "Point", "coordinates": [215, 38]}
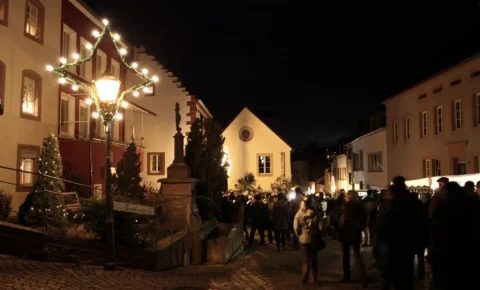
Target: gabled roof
{"type": "Point", "coordinates": [263, 122]}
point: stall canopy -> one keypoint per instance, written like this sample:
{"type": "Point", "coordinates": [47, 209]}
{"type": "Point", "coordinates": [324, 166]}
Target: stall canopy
{"type": "Point", "coordinates": [432, 181]}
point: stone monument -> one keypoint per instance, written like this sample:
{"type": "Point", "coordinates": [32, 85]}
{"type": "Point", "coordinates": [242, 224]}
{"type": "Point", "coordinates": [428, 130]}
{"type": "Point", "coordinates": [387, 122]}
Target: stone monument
{"type": "Point", "coordinates": [178, 189]}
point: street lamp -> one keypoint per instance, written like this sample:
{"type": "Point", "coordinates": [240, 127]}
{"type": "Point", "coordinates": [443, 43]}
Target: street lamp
{"type": "Point", "coordinates": [105, 94]}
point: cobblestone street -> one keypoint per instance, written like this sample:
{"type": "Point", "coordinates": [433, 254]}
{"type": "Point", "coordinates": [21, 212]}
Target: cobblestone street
{"type": "Point", "coordinates": [264, 268]}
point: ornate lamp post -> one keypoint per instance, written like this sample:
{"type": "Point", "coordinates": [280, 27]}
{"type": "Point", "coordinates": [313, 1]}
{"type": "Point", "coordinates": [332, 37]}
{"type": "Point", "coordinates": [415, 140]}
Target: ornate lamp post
{"type": "Point", "coordinates": [105, 95]}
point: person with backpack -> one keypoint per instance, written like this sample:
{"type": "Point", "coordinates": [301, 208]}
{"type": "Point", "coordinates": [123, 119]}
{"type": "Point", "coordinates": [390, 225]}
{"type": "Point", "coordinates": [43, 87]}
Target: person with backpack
{"type": "Point", "coordinates": [307, 227]}
{"type": "Point", "coordinates": [369, 203]}
{"type": "Point", "coordinates": [353, 220]}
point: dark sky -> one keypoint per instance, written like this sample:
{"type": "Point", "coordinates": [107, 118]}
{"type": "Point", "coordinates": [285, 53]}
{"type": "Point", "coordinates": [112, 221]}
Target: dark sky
{"type": "Point", "coordinates": [318, 68]}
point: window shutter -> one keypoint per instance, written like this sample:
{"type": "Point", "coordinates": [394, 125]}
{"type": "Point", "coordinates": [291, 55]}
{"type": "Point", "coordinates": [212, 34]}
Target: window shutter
{"type": "Point", "coordinates": [475, 110]}
{"type": "Point", "coordinates": [475, 164]}
{"type": "Point", "coordinates": [453, 115]}
{"type": "Point", "coordinates": [435, 120]}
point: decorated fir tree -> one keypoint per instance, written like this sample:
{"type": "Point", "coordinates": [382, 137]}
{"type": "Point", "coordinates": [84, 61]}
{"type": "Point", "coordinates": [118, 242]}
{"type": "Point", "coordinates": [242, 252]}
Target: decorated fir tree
{"type": "Point", "coordinates": [45, 202]}
{"type": "Point", "coordinates": [128, 177]}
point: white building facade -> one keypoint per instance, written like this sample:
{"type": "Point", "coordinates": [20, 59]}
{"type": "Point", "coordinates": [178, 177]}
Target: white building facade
{"type": "Point", "coordinates": [30, 37]}
{"type": "Point", "coordinates": [150, 120]}
{"type": "Point", "coordinates": [254, 147]}
{"type": "Point", "coordinates": [369, 160]}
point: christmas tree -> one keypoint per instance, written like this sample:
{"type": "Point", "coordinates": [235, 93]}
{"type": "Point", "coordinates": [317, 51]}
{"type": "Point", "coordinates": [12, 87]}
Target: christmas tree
{"type": "Point", "coordinates": [45, 204]}
{"type": "Point", "coordinates": [128, 177]}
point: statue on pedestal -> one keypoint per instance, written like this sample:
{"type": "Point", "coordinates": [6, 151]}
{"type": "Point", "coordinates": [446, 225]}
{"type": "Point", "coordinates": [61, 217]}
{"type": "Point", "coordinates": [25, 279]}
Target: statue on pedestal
{"type": "Point", "coordinates": [178, 118]}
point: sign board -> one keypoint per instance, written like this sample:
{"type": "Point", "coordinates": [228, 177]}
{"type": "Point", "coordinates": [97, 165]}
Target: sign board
{"type": "Point", "coordinates": [133, 208]}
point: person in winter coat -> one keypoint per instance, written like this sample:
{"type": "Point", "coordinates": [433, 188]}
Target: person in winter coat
{"type": "Point", "coordinates": [241, 213]}
{"type": "Point", "coordinates": [270, 228]}
{"type": "Point", "coordinates": [281, 217]}
{"type": "Point", "coordinates": [294, 207]}
{"type": "Point", "coordinates": [307, 227]}
{"type": "Point", "coordinates": [369, 204]}
{"type": "Point", "coordinates": [353, 220]}
{"type": "Point", "coordinates": [259, 219]}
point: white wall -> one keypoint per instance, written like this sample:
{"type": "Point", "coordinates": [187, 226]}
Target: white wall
{"type": "Point", "coordinates": [18, 53]}
{"type": "Point", "coordinates": [158, 131]}
{"type": "Point", "coordinates": [375, 141]}
{"type": "Point", "coordinates": [243, 155]}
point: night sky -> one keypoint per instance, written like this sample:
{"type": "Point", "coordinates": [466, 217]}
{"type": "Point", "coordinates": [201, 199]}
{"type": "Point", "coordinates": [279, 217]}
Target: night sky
{"type": "Point", "coordinates": [315, 68]}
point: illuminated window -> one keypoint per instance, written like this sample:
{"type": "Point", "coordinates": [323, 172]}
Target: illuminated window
{"type": "Point", "coordinates": [150, 91]}
{"type": "Point", "coordinates": [27, 161]}
{"type": "Point", "coordinates": [156, 163]}
{"type": "Point", "coordinates": [31, 95]}
{"type": "Point", "coordinates": [264, 164]}
{"type": "Point", "coordinates": [34, 20]}
{"type": "Point", "coordinates": [4, 12]}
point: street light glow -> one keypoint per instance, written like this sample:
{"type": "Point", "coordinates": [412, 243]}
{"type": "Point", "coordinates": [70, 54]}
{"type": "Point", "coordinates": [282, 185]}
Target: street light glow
{"type": "Point", "coordinates": [107, 88]}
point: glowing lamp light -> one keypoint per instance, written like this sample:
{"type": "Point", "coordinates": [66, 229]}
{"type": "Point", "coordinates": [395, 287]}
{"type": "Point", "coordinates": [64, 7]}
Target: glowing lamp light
{"type": "Point", "coordinates": [107, 88]}
{"type": "Point", "coordinates": [95, 115]}
{"type": "Point", "coordinates": [134, 64]}
{"type": "Point", "coordinates": [105, 21]}
{"type": "Point", "coordinates": [116, 36]}
{"type": "Point", "coordinates": [89, 101]}
{"type": "Point", "coordinates": [95, 33]}
{"type": "Point", "coordinates": [123, 51]}
{"type": "Point", "coordinates": [62, 80]}
{"type": "Point", "coordinates": [74, 87]}
{"type": "Point", "coordinates": [119, 116]}
{"type": "Point", "coordinates": [49, 68]}
{"type": "Point", "coordinates": [88, 46]}
{"type": "Point", "coordinates": [76, 56]}
{"type": "Point", "coordinates": [136, 94]}
{"type": "Point", "coordinates": [291, 195]}
{"type": "Point", "coordinates": [63, 60]}
{"type": "Point", "coordinates": [145, 90]}
{"type": "Point", "coordinates": [155, 78]}
{"type": "Point", "coordinates": [124, 104]}
{"type": "Point", "coordinates": [144, 71]}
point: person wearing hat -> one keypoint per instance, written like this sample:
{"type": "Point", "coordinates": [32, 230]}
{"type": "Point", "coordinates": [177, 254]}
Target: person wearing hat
{"type": "Point", "coordinates": [440, 194]}
{"type": "Point", "coordinates": [442, 181]}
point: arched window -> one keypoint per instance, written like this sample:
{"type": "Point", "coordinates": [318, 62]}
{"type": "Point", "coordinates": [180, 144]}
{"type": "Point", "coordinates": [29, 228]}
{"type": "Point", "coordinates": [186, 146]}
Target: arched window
{"type": "Point", "coordinates": [34, 20]}
{"type": "Point", "coordinates": [31, 95]}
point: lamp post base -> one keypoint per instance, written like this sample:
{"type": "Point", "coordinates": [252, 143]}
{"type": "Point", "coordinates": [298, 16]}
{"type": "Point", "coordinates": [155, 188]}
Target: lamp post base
{"type": "Point", "coordinates": [110, 263]}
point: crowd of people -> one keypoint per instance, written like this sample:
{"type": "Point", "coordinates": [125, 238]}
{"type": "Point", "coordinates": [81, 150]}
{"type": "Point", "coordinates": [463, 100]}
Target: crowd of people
{"type": "Point", "coordinates": [442, 230]}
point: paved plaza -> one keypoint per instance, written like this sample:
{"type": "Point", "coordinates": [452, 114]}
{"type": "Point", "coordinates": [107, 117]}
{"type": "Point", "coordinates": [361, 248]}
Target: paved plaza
{"type": "Point", "coordinates": [262, 268]}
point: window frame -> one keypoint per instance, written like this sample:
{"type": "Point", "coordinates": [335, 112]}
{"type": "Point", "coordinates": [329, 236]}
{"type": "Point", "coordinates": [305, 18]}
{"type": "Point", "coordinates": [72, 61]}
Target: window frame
{"type": "Point", "coordinates": [40, 21]}
{"type": "Point", "coordinates": [100, 70]}
{"type": "Point", "coordinates": [458, 114]}
{"type": "Point", "coordinates": [72, 45]}
{"type": "Point", "coordinates": [115, 68]}
{"type": "Point", "coordinates": [70, 133]}
{"type": "Point", "coordinates": [87, 66]}
{"type": "Point", "coordinates": [375, 162]}
{"type": "Point", "coordinates": [82, 103]}
{"type": "Point", "coordinates": [26, 73]}
{"type": "Point", "coordinates": [150, 156]}
{"type": "Point", "coordinates": [407, 128]}
{"type": "Point", "coordinates": [439, 119]}
{"type": "Point", "coordinates": [428, 168]}
{"type": "Point", "coordinates": [20, 147]}
{"type": "Point", "coordinates": [152, 93]}
{"type": "Point", "coordinates": [270, 155]}
{"type": "Point", "coordinates": [4, 20]}
{"type": "Point", "coordinates": [424, 122]}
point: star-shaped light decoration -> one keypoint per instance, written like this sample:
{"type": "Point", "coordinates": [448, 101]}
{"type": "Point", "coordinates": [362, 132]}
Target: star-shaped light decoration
{"type": "Point", "coordinates": [107, 110]}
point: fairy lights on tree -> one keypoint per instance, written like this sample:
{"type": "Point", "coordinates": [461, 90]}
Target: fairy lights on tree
{"type": "Point", "coordinates": [107, 109]}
